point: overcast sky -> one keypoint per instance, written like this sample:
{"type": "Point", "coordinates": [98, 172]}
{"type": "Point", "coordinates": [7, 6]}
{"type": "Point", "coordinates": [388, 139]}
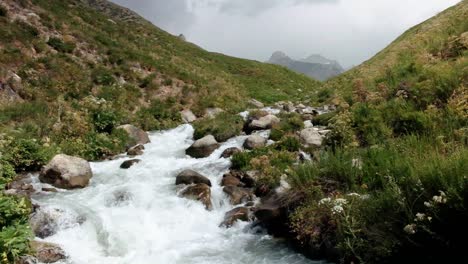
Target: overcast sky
{"type": "Point", "coordinates": [349, 31]}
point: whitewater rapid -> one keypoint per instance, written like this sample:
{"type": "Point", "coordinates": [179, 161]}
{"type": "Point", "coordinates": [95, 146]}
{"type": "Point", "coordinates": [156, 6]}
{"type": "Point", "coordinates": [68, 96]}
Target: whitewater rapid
{"type": "Point", "coordinates": [135, 216]}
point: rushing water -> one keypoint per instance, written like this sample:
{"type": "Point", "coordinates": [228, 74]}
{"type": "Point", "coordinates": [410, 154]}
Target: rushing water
{"type": "Point", "coordinates": [135, 216]}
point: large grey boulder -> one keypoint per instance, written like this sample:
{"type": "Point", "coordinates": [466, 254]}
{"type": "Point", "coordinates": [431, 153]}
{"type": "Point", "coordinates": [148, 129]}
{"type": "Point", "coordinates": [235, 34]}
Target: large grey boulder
{"type": "Point", "coordinates": [199, 192]}
{"type": "Point", "coordinates": [255, 141]}
{"type": "Point", "coordinates": [311, 137]}
{"type": "Point", "coordinates": [265, 122]}
{"type": "Point", "coordinates": [203, 147]}
{"type": "Point", "coordinates": [66, 172]}
{"type": "Point", "coordinates": [191, 177]}
{"type": "Point", "coordinates": [188, 116]}
{"type": "Point", "coordinates": [136, 135]}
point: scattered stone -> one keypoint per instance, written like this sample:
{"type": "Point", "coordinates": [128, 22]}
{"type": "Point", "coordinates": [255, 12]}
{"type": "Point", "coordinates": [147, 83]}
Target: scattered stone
{"type": "Point", "coordinates": [199, 192]}
{"type": "Point", "coordinates": [256, 103]}
{"type": "Point", "coordinates": [308, 124]}
{"type": "Point", "coordinates": [311, 137]}
{"type": "Point", "coordinates": [255, 141]}
{"type": "Point", "coordinates": [230, 152]}
{"type": "Point", "coordinates": [136, 150]}
{"type": "Point", "coordinates": [20, 186]}
{"type": "Point", "coordinates": [307, 117]}
{"type": "Point", "coordinates": [44, 222]}
{"type": "Point", "coordinates": [46, 189]}
{"type": "Point", "coordinates": [47, 252]}
{"type": "Point", "coordinates": [191, 177]}
{"type": "Point", "coordinates": [129, 163]}
{"type": "Point", "coordinates": [229, 180]}
{"type": "Point", "coordinates": [236, 214]}
{"type": "Point", "coordinates": [273, 213]}
{"type": "Point", "coordinates": [203, 147]}
{"type": "Point", "coordinates": [262, 190]}
{"type": "Point", "coordinates": [212, 112]}
{"type": "Point", "coordinates": [238, 195]}
{"type": "Point", "coordinates": [265, 122]}
{"type": "Point", "coordinates": [188, 116]}
{"type": "Point", "coordinates": [66, 172]}
{"type": "Point", "coordinates": [136, 135]}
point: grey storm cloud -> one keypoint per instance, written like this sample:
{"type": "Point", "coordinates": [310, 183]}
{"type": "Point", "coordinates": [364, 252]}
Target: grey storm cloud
{"type": "Point", "coordinates": [350, 31]}
{"type": "Point", "coordinates": [172, 15]}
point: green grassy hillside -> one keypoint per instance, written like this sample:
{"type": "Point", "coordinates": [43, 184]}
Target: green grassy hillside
{"type": "Point", "coordinates": [87, 66]}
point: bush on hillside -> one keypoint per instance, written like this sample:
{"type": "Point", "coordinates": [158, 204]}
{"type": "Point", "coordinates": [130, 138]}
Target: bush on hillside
{"type": "Point", "coordinates": [223, 127]}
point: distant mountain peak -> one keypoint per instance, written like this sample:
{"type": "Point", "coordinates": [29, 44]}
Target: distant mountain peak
{"type": "Point", "coordinates": [315, 65]}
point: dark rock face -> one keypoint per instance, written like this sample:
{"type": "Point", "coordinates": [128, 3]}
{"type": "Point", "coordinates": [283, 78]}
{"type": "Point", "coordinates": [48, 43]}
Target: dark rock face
{"type": "Point", "coordinates": [203, 147]}
{"type": "Point", "coordinates": [273, 212]}
{"type": "Point", "coordinates": [199, 192]}
{"type": "Point", "coordinates": [20, 186]}
{"type": "Point", "coordinates": [236, 214]}
{"type": "Point", "coordinates": [136, 150]}
{"type": "Point", "coordinates": [191, 177]}
{"type": "Point", "coordinates": [230, 152]}
{"type": "Point", "coordinates": [129, 163]}
{"type": "Point", "coordinates": [238, 195]}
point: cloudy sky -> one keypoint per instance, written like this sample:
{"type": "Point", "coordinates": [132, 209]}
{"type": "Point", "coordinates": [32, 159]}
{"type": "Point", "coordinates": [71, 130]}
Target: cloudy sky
{"type": "Point", "coordinates": [349, 31]}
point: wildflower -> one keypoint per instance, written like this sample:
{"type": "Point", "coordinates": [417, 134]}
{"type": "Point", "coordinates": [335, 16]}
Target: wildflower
{"type": "Point", "coordinates": [337, 209]}
{"type": "Point", "coordinates": [410, 229]}
{"type": "Point", "coordinates": [325, 201]}
{"type": "Point", "coordinates": [340, 201]}
{"type": "Point", "coordinates": [428, 204]}
{"type": "Point", "coordinates": [429, 218]}
{"type": "Point", "coordinates": [420, 216]}
{"type": "Point", "coordinates": [354, 194]}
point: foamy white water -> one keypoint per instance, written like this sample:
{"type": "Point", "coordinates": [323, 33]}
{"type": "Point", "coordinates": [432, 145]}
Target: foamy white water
{"type": "Point", "coordinates": [134, 216]}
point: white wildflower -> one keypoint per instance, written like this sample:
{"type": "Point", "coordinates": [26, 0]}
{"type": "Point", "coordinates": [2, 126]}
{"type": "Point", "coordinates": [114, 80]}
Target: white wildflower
{"type": "Point", "coordinates": [428, 204]}
{"type": "Point", "coordinates": [340, 201]}
{"type": "Point", "coordinates": [325, 201]}
{"type": "Point", "coordinates": [337, 209]}
{"type": "Point", "coordinates": [365, 196]}
{"type": "Point", "coordinates": [410, 229]}
{"type": "Point", "coordinates": [429, 218]}
{"type": "Point", "coordinates": [354, 195]}
{"type": "Point", "coordinates": [420, 216]}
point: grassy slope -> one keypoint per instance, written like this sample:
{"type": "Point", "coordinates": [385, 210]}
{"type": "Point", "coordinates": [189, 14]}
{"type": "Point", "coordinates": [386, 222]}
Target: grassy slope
{"type": "Point", "coordinates": [421, 46]}
{"type": "Point", "coordinates": [146, 75]}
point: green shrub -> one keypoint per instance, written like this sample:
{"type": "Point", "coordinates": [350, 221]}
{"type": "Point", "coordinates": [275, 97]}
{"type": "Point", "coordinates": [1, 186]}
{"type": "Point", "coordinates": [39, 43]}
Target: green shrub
{"type": "Point", "coordinates": [324, 119]}
{"type": "Point", "coordinates": [15, 234]}
{"type": "Point", "coordinates": [369, 124]}
{"type": "Point", "coordinates": [289, 123]}
{"type": "Point", "coordinates": [104, 120]}
{"type": "Point", "coordinates": [103, 76]}
{"type": "Point", "coordinates": [60, 45]}
{"type": "Point", "coordinates": [7, 172]}
{"type": "Point", "coordinates": [289, 143]}
{"type": "Point", "coordinates": [27, 154]}
{"type": "Point", "coordinates": [223, 127]}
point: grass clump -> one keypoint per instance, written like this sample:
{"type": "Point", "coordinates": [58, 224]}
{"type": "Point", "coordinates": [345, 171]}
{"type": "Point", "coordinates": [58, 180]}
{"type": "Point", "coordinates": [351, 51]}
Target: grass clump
{"type": "Point", "coordinates": [61, 46]}
{"type": "Point", "coordinates": [289, 123]}
{"type": "Point", "coordinates": [223, 127]}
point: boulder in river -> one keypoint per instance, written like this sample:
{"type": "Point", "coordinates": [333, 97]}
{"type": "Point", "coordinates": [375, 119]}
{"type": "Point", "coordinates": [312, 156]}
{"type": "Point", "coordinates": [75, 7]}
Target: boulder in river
{"type": "Point", "coordinates": [66, 172]}
{"type": "Point", "coordinates": [199, 192]}
{"type": "Point", "coordinates": [44, 223]}
{"type": "Point", "coordinates": [20, 186]}
{"type": "Point", "coordinates": [230, 180]}
{"type": "Point", "coordinates": [238, 195]}
{"type": "Point", "coordinates": [236, 214]}
{"type": "Point", "coordinates": [129, 163]}
{"type": "Point", "coordinates": [273, 213]}
{"type": "Point", "coordinates": [47, 252]}
{"type": "Point", "coordinates": [191, 177]}
{"type": "Point", "coordinates": [136, 135]}
{"type": "Point", "coordinates": [136, 150]}
{"type": "Point", "coordinates": [203, 147]}
{"type": "Point", "coordinates": [229, 152]}
{"type": "Point", "coordinates": [265, 122]}
{"type": "Point", "coordinates": [255, 141]}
